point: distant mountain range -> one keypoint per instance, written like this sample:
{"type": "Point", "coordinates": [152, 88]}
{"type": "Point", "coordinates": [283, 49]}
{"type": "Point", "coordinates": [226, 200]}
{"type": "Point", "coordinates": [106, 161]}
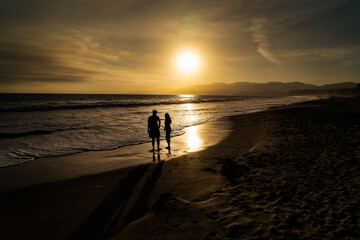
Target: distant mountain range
{"type": "Point", "coordinates": [263, 89]}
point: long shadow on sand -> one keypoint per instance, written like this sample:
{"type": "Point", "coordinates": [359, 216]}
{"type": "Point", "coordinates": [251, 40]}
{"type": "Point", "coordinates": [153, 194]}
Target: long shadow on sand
{"type": "Point", "coordinates": [141, 205]}
{"type": "Point", "coordinates": [106, 218]}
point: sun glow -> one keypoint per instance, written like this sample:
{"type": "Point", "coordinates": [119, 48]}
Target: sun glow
{"type": "Point", "coordinates": [188, 62]}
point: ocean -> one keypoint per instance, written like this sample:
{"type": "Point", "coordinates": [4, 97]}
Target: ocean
{"type": "Point", "coordinates": [44, 125]}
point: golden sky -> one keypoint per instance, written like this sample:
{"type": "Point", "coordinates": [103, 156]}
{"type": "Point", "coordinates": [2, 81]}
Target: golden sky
{"type": "Point", "coordinates": [116, 46]}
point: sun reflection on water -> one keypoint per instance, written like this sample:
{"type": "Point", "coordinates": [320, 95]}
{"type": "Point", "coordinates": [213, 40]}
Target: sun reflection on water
{"type": "Point", "coordinates": [186, 96]}
{"type": "Point", "coordinates": [188, 106]}
{"type": "Point", "coordinates": [190, 117]}
{"type": "Point", "coordinates": [193, 140]}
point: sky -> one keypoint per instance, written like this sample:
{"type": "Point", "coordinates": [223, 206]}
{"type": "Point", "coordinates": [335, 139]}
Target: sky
{"type": "Point", "coordinates": [131, 46]}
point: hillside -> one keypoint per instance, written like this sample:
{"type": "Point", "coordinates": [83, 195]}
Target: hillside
{"type": "Point", "coordinates": [259, 89]}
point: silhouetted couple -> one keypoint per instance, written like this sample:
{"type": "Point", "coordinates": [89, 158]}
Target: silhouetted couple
{"type": "Point", "coordinates": [154, 124]}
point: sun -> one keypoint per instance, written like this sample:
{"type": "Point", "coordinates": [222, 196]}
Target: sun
{"type": "Point", "coordinates": [188, 62]}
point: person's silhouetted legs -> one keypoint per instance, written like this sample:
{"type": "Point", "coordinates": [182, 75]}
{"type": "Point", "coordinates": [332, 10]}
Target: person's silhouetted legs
{"type": "Point", "coordinates": [168, 139]}
{"type": "Point", "coordinates": [153, 144]}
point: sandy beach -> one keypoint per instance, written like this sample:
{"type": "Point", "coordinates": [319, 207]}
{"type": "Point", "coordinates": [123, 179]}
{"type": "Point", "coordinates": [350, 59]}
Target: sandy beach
{"type": "Point", "coordinates": [291, 172]}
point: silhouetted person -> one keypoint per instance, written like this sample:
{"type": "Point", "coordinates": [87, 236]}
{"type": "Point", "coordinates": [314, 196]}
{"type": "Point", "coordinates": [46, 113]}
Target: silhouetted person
{"type": "Point", "coordinates": [154, 129]}
{"type": "Point", "coordinates": [167, 129]}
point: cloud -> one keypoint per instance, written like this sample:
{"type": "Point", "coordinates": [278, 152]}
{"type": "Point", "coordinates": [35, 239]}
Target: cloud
{"type": "Point", "coordinates": [346, 54]}
{"type": "Point", "coordinates": [71, 57]}
{"type": "Point", "coordinates": [24, 62]}
{"type": "Point", "coordinates": [127, 41]}
{"type": "Point", "coordinates": [260, 35]}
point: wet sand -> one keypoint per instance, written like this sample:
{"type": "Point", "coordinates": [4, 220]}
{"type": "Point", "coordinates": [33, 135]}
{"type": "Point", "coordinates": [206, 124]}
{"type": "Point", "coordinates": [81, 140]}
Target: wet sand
{"type": "Point", "coordinates": [291, 172]}
{"type": "Point", "coordinates": [53, 169]}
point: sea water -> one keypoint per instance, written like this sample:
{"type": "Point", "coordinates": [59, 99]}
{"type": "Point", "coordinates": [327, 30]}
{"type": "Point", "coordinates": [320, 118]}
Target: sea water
{"type": "Point", "coordinates": [44, 125]}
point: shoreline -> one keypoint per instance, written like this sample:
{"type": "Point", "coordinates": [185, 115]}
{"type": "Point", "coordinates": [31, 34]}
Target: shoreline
{"type": "Point", "coordinates": [51, 153]}
{"type": "Point", "coordinates": [58, 168]}
{"type": "Point", "coordinates": [287, 172]}
{"type": "Point", "coordinates": [112, 149]}
{"type": "Point", "coordinates": [54, 165]}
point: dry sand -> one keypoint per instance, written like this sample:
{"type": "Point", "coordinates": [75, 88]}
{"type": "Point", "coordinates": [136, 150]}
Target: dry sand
{"type": "Point", "coordinates": [290, 172]}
